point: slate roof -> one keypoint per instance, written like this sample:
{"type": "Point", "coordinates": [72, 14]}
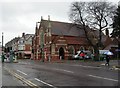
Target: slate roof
{"type": "Point", "coordinates": [62, 28]}
{"type": "Point", "coordinates": [69, 29]}
{"type": "Point", "coordinates": [111, 42]}
{"type": "Point", "coordinates": [11, 42]}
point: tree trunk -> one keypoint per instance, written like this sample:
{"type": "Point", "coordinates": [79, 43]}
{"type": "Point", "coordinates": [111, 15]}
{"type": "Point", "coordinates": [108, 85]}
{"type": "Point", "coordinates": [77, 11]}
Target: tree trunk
{"type": "Point", "coordinates": [96, 53]}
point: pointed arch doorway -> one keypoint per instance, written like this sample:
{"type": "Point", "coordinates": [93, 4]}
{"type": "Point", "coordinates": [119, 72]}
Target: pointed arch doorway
{"type": "Point", "coordinates": [61, 53]}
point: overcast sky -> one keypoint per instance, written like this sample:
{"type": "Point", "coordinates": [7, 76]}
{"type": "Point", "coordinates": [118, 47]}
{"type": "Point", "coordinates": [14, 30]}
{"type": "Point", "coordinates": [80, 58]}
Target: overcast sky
{"type": "Point", "coordinates": [18, 16]}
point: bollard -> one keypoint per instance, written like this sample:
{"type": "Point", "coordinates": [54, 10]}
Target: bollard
{"type": "Point", "coordinates": [3, 57]}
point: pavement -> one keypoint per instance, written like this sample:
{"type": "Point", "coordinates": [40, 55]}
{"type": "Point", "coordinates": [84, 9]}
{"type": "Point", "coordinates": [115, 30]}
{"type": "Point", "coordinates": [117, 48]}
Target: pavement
{"type": "Point", "coordinates": [114, 64]}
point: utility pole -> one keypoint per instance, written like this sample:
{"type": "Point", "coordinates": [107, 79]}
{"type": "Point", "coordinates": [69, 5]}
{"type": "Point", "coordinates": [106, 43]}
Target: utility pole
{"type": "Point", "coordinates": [2, 48]}
{"type": "Point", "coordinates": [2, 42]}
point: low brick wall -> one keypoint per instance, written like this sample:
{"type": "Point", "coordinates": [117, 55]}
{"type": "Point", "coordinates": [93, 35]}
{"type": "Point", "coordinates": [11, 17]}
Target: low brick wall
{"type": "Point", "coordinates": [52, 58]}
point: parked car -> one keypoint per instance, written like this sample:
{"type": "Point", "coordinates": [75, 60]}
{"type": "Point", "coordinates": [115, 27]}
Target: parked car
{"type": "Point", "coordinates": [87, 55]}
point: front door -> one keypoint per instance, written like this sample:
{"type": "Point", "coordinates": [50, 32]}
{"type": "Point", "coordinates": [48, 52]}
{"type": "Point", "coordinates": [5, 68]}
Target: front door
{"type": "Point", "coordinates": [61, 53]}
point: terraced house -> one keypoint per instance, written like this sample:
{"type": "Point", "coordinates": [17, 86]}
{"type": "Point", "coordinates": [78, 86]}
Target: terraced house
{"type": "Point", "coordinates": [25, 46]}
{"type": "Point", "coordinates": [56, 40]}
{"type": "Point", "coordinates": [21, 46]}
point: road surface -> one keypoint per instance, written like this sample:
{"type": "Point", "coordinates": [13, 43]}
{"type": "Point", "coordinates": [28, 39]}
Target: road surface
{"type": "Point", "coordinates": [55, 75]}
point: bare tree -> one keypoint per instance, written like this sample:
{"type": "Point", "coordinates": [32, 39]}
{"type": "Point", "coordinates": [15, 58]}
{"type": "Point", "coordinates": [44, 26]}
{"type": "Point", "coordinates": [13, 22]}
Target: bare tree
{"type": "Point", "coordinates": [94, 15]}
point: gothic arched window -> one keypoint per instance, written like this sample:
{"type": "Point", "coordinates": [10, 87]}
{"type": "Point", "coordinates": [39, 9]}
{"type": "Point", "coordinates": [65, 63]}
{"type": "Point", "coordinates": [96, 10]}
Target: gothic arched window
{"type": "Point", "coordinates": [71, 50]}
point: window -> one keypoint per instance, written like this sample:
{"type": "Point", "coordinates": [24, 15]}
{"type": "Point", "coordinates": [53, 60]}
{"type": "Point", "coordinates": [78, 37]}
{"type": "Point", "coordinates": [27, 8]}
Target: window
{"type": "Point", "coordinates": [71, 50]}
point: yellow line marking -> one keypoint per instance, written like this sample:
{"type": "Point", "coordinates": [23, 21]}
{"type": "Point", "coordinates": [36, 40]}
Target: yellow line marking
{"type": "Point", "coordinates": [29, 83]}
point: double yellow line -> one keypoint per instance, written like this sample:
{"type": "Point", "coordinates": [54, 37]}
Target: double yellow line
{"type": "Point", "coordinates": [29, 83]}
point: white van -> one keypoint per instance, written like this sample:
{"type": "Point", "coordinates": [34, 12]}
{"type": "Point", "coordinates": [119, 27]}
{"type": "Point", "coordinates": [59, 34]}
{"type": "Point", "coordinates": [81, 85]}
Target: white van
{"type": "Point", "coordinates": [103, 51]}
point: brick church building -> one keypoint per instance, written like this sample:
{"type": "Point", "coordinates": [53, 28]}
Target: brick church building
{"type": "Point", "coordinates": [55, 40]}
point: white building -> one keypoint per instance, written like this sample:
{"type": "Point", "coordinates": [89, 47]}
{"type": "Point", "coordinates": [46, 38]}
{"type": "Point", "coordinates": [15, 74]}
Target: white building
{"type": "Point", "coordinates": [25, 46]}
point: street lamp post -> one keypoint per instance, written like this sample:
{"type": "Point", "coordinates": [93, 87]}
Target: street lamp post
{"type": "Point", "coordinates": [2, 41]}
{"type": "Point", "coordinates": [2, 49]}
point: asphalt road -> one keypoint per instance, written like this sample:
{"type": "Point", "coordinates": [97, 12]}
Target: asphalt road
{"type": "Point", "coordinates": [9, 81]}
{"type": "Point", "coordinates": [62, 74]}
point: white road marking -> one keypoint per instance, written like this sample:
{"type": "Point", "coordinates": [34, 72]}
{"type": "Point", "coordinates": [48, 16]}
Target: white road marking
{"type": "Point", "coordinates": [86, 66]}
{"type": "Point", "coordinates": [103, 78]}
{"type": "Point", "coordinates": [68, 71]}
{"type": "Point", "coordinates": [22, 72]}
{"type": "Point", "coordinates": [44, 82]}
{"type": "Point", "coordinates": [65, 70]}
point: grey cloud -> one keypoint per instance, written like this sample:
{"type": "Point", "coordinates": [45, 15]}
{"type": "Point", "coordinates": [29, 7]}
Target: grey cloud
{"type": "Point", "coordinates": [21, 17]}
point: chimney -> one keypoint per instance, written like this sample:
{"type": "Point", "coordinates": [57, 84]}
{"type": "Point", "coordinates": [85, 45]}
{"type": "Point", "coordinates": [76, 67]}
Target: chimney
{"type": "Point", "coordinates": [41, 18]}
{"type": "Point", "coordinates": [23, 34]}
{"type": "Point", "coordinates": [49, 24]}
{"type": "Point", "coordinates": [36, 26]}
